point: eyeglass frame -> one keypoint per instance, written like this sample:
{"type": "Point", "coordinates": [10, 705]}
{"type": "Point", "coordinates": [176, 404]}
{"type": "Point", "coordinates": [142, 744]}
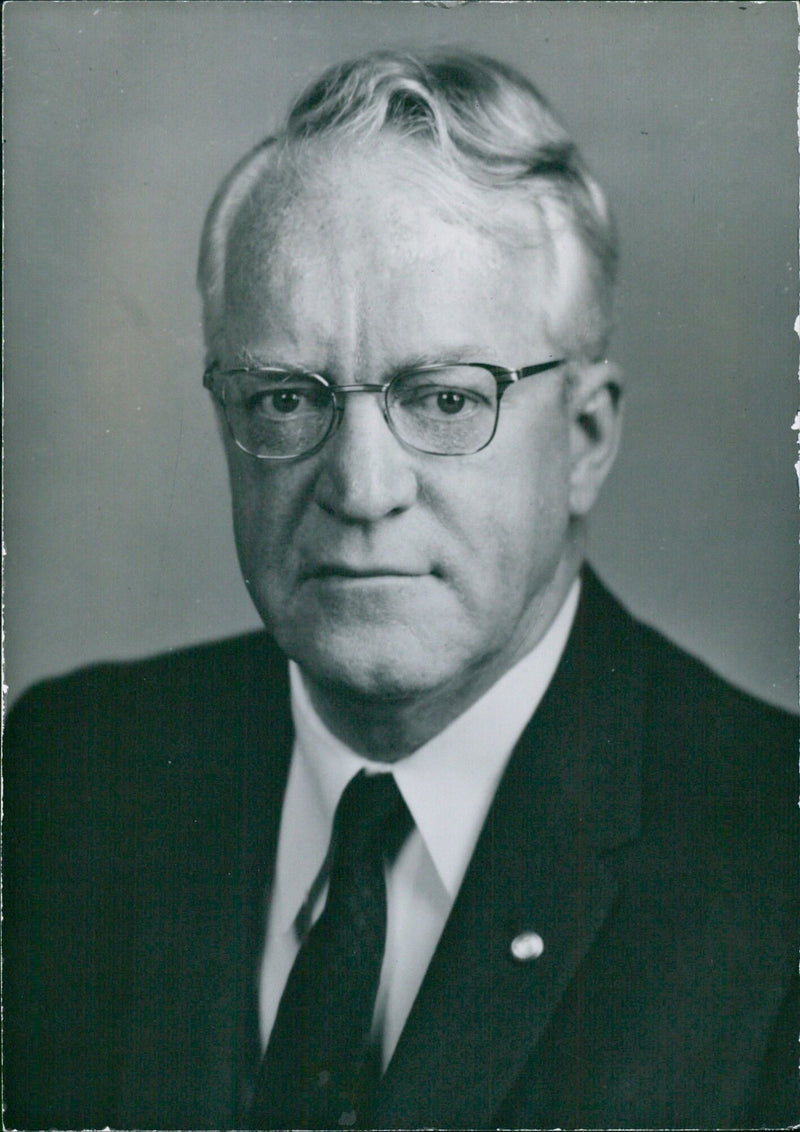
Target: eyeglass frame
{"type": "Point", "coordinates": [504, 377]}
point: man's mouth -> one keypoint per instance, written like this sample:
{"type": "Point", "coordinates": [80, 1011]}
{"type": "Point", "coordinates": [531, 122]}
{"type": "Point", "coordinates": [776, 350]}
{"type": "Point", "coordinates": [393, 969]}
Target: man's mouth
{"type": "Point", "coordinates": [325, 571]}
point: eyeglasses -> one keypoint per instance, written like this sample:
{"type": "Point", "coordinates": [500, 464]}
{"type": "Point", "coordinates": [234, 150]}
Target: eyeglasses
{"type": "Point", "coordinates": [443, 410]}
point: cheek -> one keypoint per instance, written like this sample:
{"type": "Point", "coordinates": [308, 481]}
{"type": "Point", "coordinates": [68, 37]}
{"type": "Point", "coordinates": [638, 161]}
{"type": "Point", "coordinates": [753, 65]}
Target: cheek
{"type": "Point", "coordinates": [511, 535]}
{"type": "Point", "coordinates": [518, 501]}
{"type": "Point", "coordinates": [263, 513]}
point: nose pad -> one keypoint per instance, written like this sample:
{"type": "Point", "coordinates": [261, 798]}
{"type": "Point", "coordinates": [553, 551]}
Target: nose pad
{"type": "Point", "coordinates": [366, 473]}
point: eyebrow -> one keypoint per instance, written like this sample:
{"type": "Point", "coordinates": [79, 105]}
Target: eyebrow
{"type": "Point", "coordinates": [470, 353]}
{"type": "Point", "coordinates": [437, 356]}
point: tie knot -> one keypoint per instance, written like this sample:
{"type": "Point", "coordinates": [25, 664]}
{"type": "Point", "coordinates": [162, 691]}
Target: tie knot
{"type": "Point", "coordinates": [371, 816]}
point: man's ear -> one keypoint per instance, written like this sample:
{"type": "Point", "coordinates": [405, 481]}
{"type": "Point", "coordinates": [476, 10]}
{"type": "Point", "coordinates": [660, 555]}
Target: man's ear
{"type": "Point", "coordinates": [595, 408]}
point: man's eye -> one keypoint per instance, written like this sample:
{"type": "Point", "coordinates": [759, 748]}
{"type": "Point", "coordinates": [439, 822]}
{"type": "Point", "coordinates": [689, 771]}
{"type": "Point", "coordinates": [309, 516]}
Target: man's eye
{"type": "Point", "coordinates": [439, 401]}
{"type": "Point", "coordinates": [451, 401]}
{"type": "Point", "coordinates": [284, 401]}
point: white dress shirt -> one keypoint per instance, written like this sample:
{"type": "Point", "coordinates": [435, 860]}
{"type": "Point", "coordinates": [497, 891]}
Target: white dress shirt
{"type": "Point", "coordinates": [448, 785]}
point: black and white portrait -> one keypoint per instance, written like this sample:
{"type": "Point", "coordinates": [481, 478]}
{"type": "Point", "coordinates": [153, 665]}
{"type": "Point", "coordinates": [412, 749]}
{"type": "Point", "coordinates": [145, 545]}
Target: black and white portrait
{"type": "Point", "coordinates": [400, 652]}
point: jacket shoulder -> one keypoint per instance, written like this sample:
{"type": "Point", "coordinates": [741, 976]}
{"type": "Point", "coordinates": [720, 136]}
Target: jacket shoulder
{"type": "Point", "coordinates": [210, 665]}
{"type": "Point", "coordinates": [751, 745]}
{"type": "Point", "coordinates": [124, 745]}
{"type": "Point", "coordinates": [185, 691]}
{"type": "Point", "coordinates": [678, 691]}
{"type": "Point", "coordinates": [717, 767]}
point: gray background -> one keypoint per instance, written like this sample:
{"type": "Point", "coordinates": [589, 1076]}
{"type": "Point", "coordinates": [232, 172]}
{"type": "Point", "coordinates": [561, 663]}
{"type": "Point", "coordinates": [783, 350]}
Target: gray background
{"type": "Point", "coordinates": [120, 119]}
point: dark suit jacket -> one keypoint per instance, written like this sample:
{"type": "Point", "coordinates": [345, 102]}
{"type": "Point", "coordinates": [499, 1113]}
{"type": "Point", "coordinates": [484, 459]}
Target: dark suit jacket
{"type": "Point", "coordinates": [645, 828]}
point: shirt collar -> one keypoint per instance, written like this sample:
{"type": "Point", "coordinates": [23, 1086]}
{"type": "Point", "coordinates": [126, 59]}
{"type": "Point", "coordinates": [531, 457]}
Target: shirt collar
{"type": "Point", "coordinates": [448, 784]}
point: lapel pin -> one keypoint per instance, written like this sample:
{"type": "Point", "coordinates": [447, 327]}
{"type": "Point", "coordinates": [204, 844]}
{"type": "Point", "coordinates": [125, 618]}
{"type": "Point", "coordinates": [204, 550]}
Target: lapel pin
{"type": "Point", "coordinates": [527, 945]}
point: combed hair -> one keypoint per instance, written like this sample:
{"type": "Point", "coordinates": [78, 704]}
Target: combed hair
{"type": "Point", "coordinates": [489, 137]}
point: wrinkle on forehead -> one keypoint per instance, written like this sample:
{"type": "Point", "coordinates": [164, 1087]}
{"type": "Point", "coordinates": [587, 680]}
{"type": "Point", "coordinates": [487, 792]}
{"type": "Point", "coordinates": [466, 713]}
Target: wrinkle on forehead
{"type": "Point", "coordinates": [357, 226]}
{"type": "Point", "coordinates": [307, 183]}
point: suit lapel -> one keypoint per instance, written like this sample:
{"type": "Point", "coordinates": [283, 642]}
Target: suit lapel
{"type": "Point", "coordinates": [569, 796]}
{"type": "Point", "coordinates": [263, 785]}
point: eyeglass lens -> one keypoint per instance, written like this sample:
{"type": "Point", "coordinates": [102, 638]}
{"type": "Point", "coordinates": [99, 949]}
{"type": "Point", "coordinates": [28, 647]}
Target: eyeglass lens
{"type": "Point", "coordinates": [449, 411]}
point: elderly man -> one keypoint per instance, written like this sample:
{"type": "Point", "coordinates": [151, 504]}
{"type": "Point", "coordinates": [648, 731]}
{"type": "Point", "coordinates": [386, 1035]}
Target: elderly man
{"type": "Point", "coordinates": [456, 843]}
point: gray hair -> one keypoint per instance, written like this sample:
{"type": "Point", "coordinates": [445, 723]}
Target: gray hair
{"type": "Point", "coordinates": [483, 128]}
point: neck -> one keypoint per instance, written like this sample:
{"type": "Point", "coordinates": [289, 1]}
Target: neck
{"type": "Point", "coordinates": [388, 729]}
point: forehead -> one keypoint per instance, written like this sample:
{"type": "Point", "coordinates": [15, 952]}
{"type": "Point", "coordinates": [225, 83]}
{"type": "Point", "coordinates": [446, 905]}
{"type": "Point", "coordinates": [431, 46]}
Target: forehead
{"type": "Point", "coordinates": [369, 237]}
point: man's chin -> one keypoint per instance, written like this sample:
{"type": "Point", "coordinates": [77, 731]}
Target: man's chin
{"type": "Point", "coordinates": [380, 665]}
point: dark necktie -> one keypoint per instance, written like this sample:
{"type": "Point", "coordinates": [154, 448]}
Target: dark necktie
{"type": "Point", "coordinates": [319, 1068]}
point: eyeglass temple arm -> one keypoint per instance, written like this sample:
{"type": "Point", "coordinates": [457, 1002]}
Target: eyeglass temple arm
{"type": "Point", "coordinates": [540, 367]}
{"type": "Point", "coordinates": [506, 377]}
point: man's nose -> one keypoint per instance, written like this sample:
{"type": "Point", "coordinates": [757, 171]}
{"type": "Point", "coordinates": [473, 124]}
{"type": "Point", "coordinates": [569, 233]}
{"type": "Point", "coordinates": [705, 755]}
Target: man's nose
{"type": "Point", "coordinates": [366, 473]}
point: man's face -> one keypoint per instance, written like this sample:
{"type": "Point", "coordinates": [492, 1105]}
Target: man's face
{"type": "Point", "coordinates": [388, 571]}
